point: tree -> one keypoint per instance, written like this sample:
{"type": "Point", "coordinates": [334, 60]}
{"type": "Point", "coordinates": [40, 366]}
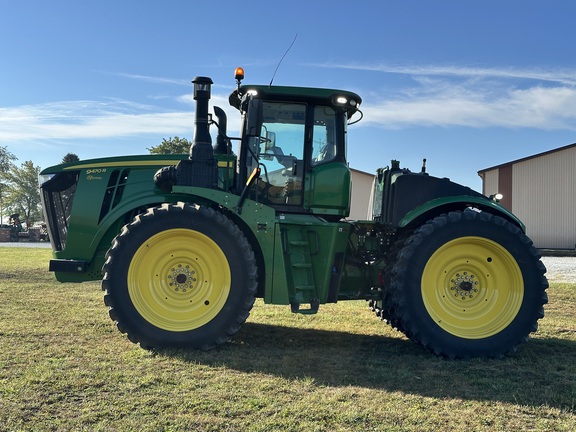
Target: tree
{"type": "Point", "coordinates": [70, 157]}
{"type": "Point", "coordinates": [6, 159]}
{"type": "Point", "coordinates": [171, 145]}
{"type": "Point", "coordinates": [21, 193]}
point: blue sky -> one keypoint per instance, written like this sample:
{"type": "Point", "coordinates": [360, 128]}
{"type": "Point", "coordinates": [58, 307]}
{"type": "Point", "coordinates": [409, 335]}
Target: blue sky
{"type": "Point", "coordinates": [465, 84]}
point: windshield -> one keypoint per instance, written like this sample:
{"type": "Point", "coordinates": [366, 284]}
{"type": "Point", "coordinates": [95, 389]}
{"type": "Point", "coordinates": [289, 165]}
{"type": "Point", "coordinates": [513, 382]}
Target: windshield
{"type": "Point", "coordinates": [280, 150]}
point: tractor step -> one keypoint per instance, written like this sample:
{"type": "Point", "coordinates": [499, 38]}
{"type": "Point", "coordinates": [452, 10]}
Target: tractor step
{"type": "Point", "coordinates": [305, 288]}
{"type": "Point", "coordinates": [314, 306]}
{"type": "Point", "coordinates": [299, 243]}
{"type": "Point", "coordinates": [301, 270]}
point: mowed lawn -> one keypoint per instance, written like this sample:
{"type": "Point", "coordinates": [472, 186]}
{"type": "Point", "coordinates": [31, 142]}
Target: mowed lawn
{"type": "Point", "coordinates": [64, 366]}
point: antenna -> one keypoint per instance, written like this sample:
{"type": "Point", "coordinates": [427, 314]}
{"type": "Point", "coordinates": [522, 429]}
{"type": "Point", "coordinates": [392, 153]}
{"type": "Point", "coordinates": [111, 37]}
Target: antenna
{"type": "Point", "coordinates": [280, 62]}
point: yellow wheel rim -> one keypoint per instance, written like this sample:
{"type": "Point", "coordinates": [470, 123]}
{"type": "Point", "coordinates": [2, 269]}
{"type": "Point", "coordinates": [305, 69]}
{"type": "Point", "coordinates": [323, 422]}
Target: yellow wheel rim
{"type": "Point", "coordinates": [179, 280]}
{"type": "Point", "coordinates": [472, 287]}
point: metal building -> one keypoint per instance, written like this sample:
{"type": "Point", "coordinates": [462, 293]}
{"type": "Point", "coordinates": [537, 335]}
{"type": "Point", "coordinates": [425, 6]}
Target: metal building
{"type": "Point", "coordinates": [360, 206]}
{"type": "Point", "coordinates": [540, 190]}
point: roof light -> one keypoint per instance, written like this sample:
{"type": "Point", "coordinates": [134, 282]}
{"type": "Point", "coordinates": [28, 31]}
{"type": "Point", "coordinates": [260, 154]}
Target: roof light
{"type": "Point", "coordinates": [239, 74]}
{"type": "Point", "coordinates": [252, 92]}
{"type": "Point", "coordinates": [496, 197]}
{"type": "Point", "coordinates": [341, 100]}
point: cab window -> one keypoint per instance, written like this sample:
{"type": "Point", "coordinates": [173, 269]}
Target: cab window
{"type": "Point", "coordinates": [324, 135]}
{"type": "Point", "coordinates": [280, 151]}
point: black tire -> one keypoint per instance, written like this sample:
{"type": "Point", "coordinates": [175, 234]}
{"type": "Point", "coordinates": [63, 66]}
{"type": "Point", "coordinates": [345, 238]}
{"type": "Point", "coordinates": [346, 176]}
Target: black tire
{"type": "Point", "coordinates": [180, 275]}
{"type": "Point", "coordinates": [385, 308]}
{"type": "Point", "coordinates": [469, 284]}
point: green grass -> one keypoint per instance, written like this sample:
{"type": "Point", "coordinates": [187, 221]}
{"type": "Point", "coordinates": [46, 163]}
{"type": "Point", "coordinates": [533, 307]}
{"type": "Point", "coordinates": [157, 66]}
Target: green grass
{"type": "Point", "coordinates": [64, 366]}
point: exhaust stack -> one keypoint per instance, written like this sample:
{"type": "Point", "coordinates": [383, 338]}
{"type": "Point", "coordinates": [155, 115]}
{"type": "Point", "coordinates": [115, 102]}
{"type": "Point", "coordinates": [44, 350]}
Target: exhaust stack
{"type": "Point", "coordinates": [201, 148]}
{"type": "Point", "coordinates": [201, 168]}
{"type": "Point", "coordinates": [222, 145]}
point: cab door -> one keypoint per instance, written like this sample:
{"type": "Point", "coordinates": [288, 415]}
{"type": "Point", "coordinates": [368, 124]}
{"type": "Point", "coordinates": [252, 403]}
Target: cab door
{"type": "Point", "coordinates": [328, 181]}
{"type": "Point", "coordinates": [279, 153]}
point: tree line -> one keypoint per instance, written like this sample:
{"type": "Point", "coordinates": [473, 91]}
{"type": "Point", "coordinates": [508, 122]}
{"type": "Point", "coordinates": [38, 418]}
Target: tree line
{"type": "Point", "coordinates": [19, 192]}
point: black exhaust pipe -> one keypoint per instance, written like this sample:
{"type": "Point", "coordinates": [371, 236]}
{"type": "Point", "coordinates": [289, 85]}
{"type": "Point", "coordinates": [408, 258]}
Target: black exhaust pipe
{"type": "Point", "coordinates": [201, 169]}
{"type": "Point", "coordinates": [201, 148]}
{"type": "Point", "coordinates": [222, 145]}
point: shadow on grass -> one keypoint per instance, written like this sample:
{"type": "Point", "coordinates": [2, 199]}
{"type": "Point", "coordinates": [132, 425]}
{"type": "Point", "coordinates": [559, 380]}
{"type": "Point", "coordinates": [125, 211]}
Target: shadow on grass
{"type": "Point", "coordinates": [542, 372]}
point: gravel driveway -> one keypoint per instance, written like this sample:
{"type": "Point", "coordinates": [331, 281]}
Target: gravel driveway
{"type": "Point", "coordinates": [560, 269]}
{"type": "Point", "coordinates": [26, 244]}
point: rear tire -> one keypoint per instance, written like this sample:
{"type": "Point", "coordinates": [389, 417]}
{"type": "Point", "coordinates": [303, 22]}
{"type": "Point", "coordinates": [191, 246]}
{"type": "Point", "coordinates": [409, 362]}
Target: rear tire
{"type": "Point", "coordinates": [469, 284]}
{"type": "Point", "coordinates": [180, 276]}
{"type": "Point", "coordinates": [385, 308]}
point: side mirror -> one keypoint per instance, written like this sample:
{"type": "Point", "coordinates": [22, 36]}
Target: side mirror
{"type": "Point", "coordinates": [254, 117]}
{"type": "Point", "coordinates": [270, 143]}
{"type": "Point", "coordinates": [268, 146]}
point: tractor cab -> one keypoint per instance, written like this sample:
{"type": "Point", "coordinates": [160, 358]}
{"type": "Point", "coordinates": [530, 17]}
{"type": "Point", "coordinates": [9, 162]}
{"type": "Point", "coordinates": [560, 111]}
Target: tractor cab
{"type": "Point", "coordinates": [294, 139]}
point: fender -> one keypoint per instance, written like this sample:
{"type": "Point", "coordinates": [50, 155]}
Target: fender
{"type": "Point", "coordinates": [442, 205]}
{"type": "Point", "coordinates": [112, 219]}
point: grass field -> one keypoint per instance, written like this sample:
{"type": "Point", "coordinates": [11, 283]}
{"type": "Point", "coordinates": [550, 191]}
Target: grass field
{"type": "Point", "coordinates": [64, 366]}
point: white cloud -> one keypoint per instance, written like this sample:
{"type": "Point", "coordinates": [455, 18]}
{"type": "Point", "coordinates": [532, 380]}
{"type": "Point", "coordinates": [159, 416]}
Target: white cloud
{"type": "Point", "coordinates": [471, 97]}
{"type": "Point", "coordinates": [96, 119]}
{"type": "Point", "coordinates": [155, 80]}
{"type": "Point", "coordinates": [558, 75]}
{"type": "Point", "coordinates": [85, 119]}
{"type": "Point", "coordinates": [435, 96]}
{"type": "Point", "coordinates": [164, 80]}
{"type": "Point", "coordinates": [536, 107]}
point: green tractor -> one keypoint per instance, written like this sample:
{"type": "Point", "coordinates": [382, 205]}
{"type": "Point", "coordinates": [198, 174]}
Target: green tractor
{"type": "Point", "coordinates": [185, 243]}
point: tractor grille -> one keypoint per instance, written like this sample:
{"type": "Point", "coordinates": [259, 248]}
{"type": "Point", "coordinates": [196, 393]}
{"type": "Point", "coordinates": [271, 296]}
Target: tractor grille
{"type": "Point", "coordinates": [114, 191]}
{"type": "Point", "coordinates": [57, 198]}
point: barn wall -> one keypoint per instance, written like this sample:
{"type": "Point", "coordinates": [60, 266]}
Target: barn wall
{"type": "Point", "coordinates": [361, 190]}
{"type": "Point", "coordinates": [545, 198]}
{"type": "Point", "coordinates": [490, 182]}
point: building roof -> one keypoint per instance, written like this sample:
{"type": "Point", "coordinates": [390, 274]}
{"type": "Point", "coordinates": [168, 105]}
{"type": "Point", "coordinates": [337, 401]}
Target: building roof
{"type": "Point", "coordinates": [362, 172]}
{"type": "Point", "coordinates": [526, 158]}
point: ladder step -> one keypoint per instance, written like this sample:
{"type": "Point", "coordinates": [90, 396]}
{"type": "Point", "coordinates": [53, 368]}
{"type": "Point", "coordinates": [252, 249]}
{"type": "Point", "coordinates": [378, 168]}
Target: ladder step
{"type": "Point", "coordinates": [305, 288]}
{"type": "Point", "coordinates": [314, 305]}
{"type": "Point", "coordinates": [302, 276]}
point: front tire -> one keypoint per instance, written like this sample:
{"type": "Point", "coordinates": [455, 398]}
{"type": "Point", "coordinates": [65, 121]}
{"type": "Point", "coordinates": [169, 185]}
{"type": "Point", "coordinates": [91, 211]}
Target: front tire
{"type": "Point", "coordinates": [180, 276]}
{"type": "Point", "coordinates": [469, 284]}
